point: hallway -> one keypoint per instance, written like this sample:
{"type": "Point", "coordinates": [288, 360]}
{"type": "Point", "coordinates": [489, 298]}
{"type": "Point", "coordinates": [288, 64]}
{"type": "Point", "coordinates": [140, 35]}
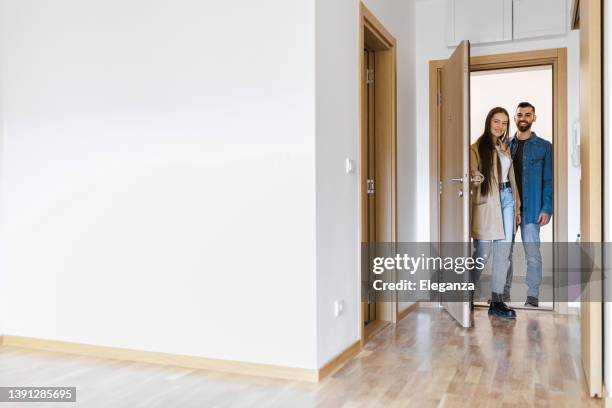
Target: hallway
{"type": "Point", "coordinates": [426, 361]}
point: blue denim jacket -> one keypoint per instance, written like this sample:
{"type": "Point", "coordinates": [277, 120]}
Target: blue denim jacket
{"type": "Point", "coordinates": [537, 194]}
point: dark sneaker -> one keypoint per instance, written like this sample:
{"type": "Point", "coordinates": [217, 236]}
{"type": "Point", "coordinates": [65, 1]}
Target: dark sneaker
{"type": "Point", "coordinates": [507, 309]}
{"type": "Point", "coordinates": [531, 301]}
{"type": "Point", "coordinates": [500, 309]}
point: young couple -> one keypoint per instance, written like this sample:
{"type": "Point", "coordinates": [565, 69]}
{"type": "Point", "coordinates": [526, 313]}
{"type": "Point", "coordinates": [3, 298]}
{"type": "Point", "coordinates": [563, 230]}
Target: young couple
{"type": "Point", "coordinates": [511, 182]}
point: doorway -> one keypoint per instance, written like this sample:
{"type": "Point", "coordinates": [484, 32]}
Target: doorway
{"type": "Point", "coordinates": [553, 61]}
{"type": "Point", "coordinates": [512, 86]}
{"type": "Point", "coordinates": [378, 178]}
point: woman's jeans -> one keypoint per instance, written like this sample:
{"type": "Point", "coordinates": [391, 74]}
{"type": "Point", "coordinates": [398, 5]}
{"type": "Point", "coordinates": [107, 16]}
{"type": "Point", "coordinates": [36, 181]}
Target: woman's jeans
{"type": "Point", "coordinates": [501, 249]}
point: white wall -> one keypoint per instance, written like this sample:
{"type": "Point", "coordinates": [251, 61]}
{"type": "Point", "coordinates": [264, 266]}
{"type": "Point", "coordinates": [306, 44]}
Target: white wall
{"type": "Point", "coordinates": [337, 71]}
{"type": "Point", "coordinates": [158, 175]}
{"type": "Point", "coordinates": [337, 129]}
{"type": "Point", "coordinates": [431, 45]}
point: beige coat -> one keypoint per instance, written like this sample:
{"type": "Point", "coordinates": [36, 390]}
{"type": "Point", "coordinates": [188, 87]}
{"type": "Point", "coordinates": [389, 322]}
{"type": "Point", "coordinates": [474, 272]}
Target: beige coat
{"type": "Point", "coordinates": [487, 222]}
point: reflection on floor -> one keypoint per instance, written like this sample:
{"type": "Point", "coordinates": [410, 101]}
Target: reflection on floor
{"type": "Point", "coordinates": [427, 360]}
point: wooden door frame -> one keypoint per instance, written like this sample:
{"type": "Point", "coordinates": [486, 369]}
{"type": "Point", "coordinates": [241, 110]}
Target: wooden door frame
{"type": "Point", "coordinates": [588, 15]}
{"type": "Point", "coordinates": [557, 57]}
{"type": "Point", "coordinates": [372, 32]}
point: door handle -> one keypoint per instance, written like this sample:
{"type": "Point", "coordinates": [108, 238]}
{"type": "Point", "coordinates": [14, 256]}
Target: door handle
{"type": "Point", "coordinates": [456, 180]}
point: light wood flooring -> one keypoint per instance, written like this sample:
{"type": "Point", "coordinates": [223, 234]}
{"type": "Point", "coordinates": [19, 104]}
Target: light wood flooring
{"type": "Point", "coordinates": [427, 360]}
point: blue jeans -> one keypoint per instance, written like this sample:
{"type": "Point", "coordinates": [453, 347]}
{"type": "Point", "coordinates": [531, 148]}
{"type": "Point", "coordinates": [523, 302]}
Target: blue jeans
{"type": "Point", "coordinates": [530, 235]}
{"type": "Point", "coordinates": [502, 248]}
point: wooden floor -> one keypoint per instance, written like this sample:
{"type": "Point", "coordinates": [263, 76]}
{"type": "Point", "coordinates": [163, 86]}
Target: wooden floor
{"type": "Point", "coordinates": [425, 361]}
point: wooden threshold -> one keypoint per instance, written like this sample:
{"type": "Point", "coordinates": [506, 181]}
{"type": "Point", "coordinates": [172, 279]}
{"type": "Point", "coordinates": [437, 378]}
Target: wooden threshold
{"type": "Point", "coordinates": [373, 328]}
{"type": "Point", "coordinates": [407, 311]}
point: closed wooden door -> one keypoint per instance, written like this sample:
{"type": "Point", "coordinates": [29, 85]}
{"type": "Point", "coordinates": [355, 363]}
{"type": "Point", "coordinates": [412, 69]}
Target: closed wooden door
{"type": "Point", "coordinates": [370, 146]}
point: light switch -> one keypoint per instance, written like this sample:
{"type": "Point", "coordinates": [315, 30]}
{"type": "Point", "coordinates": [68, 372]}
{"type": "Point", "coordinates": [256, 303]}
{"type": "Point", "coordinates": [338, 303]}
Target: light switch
{"type": "Point", "coordinates": [349, 165]}
{"type": "Point", "coordinates": [338, 307]}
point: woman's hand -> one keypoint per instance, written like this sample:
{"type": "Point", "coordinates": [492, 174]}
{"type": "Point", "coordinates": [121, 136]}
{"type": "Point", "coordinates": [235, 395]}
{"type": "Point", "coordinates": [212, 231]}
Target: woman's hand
{"type": "Point", "coordinates": [477, 178]}
{"type": "Point", "coordinates": [518, 219]}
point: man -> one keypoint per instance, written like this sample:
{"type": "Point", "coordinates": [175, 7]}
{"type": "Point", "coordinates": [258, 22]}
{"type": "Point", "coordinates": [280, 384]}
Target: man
{"type": "Point", "coordinates": [533, 169]}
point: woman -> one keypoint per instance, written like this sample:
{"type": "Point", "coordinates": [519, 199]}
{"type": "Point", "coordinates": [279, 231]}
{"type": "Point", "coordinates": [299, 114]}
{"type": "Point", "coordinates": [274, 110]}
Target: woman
{"type": "Point", "coordinates": [495, 205]}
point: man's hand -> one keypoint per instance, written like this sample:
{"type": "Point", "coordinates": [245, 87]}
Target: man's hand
{"type": "Point", "coordinates": [543, 219]}
{"type": "Point", "coordinates": [518, 219]}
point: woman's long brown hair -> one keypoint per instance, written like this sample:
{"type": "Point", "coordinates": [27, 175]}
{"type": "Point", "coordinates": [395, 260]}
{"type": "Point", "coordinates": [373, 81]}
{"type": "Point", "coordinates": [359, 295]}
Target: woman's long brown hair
{"type": "Point", "coordinates": [486, 148]}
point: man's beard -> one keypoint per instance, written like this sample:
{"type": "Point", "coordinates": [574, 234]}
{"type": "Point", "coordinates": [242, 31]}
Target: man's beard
{"type": "Point", "coordinates": [523, 127]}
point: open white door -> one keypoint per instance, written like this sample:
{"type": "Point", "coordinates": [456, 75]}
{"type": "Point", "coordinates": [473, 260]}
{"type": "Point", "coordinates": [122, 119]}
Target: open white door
{"type": "Point", "coordinates": [454, 170]}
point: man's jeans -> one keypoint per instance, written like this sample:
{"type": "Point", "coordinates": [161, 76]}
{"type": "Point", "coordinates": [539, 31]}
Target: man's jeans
{"type": "Point", "coordinates": [502, 249]}
{"type": "Point", "coordinates": [530, 235]}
